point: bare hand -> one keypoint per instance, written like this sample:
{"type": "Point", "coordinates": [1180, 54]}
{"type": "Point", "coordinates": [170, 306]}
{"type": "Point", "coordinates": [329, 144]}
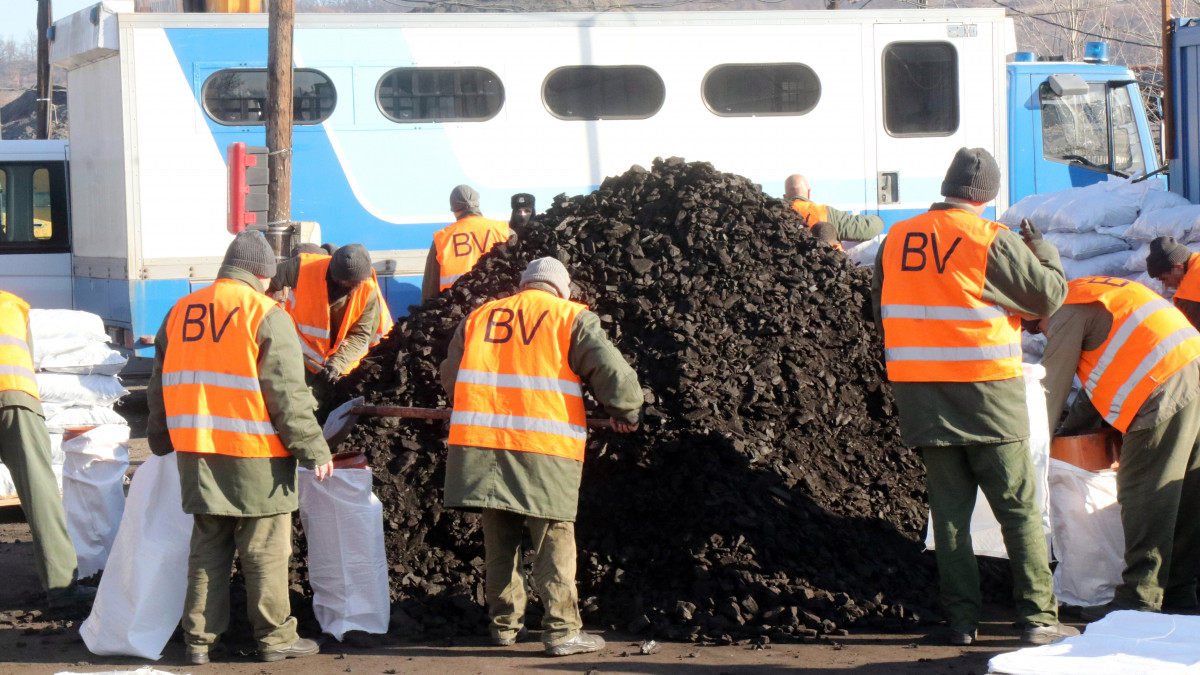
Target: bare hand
{"type": "Point", "coordinates": [623, 427]}
{"type": "Point", "coordinates": [324, 471]}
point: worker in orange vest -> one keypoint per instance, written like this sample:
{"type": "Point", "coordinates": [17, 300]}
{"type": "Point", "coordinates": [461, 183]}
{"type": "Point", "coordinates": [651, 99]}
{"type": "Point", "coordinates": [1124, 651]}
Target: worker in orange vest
{"type": "Point", "coordinates": [338, 309]}
{"type": "Point", "coordinates": [515, 371]}
{"type": "Point", "coordinates": [1136, 356]}
{"type": "Point", "coordinates": [1177, 268]}
{"type": "Point", "coordinates": [796, 193]}
{"type": "Point", "coordinates": [227, 393]}
{"type": "Point", "coordinates": [947, 291]}
{"type": "Point", "coordinates": [458, 246]}
{"type": "Point", "coordinates": [25, 451]}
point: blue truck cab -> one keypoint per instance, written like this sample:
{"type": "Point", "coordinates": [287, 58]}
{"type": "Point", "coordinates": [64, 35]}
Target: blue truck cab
{"type": "Point", "coordinates": [1072, 124]}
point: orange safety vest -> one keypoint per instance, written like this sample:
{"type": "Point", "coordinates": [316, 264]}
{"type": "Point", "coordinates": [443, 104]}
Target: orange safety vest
{"type": "Point", "coordinates": [936, 326]}
{"type": "Point", "coordinates": [1189, 288]}
{"type": "Point", "coordinates": [812, 212]}
{"type": "Point", "coordinates": [1149, 342]}
{"type": "Point", "coordinates": [515, 390]}
{"type": "Point", "coordinates": [308, 305]}
{"type": "Point", "coordinates": [16, 358]}
{"type": "Point", "coordinates": [460, 245]}
{"type": "Point", "coordinates": [210, 385]}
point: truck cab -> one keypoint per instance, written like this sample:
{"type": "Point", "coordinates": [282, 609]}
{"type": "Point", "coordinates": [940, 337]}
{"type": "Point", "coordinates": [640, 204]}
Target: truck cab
{"type": "Point", "coordinates": [1073, 124]}
{"type": "Point", "coordinates": [35, 237]}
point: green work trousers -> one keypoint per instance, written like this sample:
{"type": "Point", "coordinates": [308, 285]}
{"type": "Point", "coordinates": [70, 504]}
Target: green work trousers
{"type": "Point", "coordinates": [553, 574]}
{"type": "Point", "coordinates": [1004, 471]}
{"type": "Point", "coordinates": [25, 450]}
{"type": "Point", "coordinates": [264, 545]}
{"type": "Point", "coordinates": [1158, 487]}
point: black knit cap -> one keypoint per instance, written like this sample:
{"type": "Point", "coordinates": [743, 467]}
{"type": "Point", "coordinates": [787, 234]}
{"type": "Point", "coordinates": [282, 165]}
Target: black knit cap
{"type": "Point", "coordinates": [350, 263]}
{"type": "Point", "coordinates": [1165, 252]}
{"type": "Point", "coordinates": [825, 231]}
{"type": "Point", "coordinates": [522, 200]}
{"type": "Point", "coordinates": [250, 251]}
{"type": "Point", "coordinates": [307, 247]}
{"type": "Point", "coordinates": [973, 176]}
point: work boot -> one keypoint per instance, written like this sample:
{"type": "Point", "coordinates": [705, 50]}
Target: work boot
{"type": "Point", "coordinates": [520, 636]}
{"type": "Point", "coordinates": [301, 647]}
{"type": "Point", "coordinates": [946, 635]}
{"type": "Point", "coordinates": [580, 643]}
{"type": "Point", "coordinates": [75, 595]}
{"type": "Point", "coordinates": [198, 655]}
{"type": "Point", "coordinates": [1044, 635]}
{"type": "Point", "coordinates": [1097, 612]}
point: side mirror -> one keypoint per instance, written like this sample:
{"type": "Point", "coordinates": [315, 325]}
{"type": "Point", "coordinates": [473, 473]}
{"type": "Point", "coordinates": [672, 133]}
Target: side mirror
{"type": "Point", "coordinates": [1067, 85]}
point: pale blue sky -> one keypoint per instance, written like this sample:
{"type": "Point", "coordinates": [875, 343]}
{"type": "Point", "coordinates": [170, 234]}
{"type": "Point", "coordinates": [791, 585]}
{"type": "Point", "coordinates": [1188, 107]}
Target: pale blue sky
{"type": "Point", "coordinates": [18, 18]}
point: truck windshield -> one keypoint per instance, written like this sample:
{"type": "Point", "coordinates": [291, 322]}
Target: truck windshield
{"type": "Point", "coordinates": [1096, 130]}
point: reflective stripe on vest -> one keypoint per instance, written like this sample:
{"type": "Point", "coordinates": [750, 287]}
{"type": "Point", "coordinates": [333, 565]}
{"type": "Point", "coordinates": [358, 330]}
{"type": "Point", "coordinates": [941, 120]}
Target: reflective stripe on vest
{"type": "Point", "coordinates": [308, 306]}
{"type": "Point", "coordinates": [460, 245]}
{"type": "Point", "coordinates": [1150, 340]}
{"type": "Point", "coordinates": [1189, 288]}
{"type": "Point", "coordinates": [515, 390]}
{"type": "Point", "coordinates": [210, 384]}
{"type": "Point", "coordinates": [16, 359]}
{"type": "Point", "coordinates": [811, 213]}
{"type": "Point", "coordinates": [936, 326]}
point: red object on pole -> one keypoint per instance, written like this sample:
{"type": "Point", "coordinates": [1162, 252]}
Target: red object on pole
{"type": "Point", "coordinates": [238, 160]}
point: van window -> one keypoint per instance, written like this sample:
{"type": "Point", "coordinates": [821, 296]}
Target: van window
{"type": "Point", "coordinates": [920, 89]}
{"type": "Point", "coordinates": [1076, 129]}
{"type": "Point", "coordinates": [603, 92]}
{"type": "Point", "coordinates": [740, 89]}
{"type": "Point", "coordinates": [237, 96]}
{"type": "Point", "coordinates": [439, 94]}
{"type": "Point", "coordinates": [33, 213]}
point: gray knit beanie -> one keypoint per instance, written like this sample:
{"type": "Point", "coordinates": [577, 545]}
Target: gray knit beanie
{"type": "Point", "coordinates": [464, 198]}
{"type": "Point", "coordinates": [548, 271]}
{"type": "Point", "coordinates": [351, 262]}
{"type": "Point", "coordinates": [250, 251]}
{"type": "Point", "coordinates": [1165, 252]}
{"type": "Point", "coordinates": [973, 176]}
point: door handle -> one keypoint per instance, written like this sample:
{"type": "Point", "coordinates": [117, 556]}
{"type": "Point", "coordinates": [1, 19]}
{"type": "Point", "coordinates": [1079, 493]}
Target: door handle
{"type": "Point", "coordinates": [889, 187]}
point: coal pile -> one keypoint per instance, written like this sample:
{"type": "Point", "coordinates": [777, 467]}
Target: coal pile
{"type": "Point", "coordinates": [766, 496]}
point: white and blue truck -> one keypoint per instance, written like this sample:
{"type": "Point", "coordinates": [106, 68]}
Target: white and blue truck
{"type": "Point", "coordinates": [392, 111]}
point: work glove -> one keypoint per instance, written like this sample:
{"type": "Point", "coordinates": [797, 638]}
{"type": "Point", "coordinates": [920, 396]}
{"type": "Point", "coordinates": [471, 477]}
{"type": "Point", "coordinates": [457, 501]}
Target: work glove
{"type": "Point", "coordinates": [330, 375]}
{"type": "Point", "coordinates": [1030, 232]}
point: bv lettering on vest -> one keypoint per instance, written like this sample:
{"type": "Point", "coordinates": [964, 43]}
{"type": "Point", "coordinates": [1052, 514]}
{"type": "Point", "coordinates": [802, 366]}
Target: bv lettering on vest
{"type": "Point", "coordinates": [211, 391]}
{"type": "Point", "coordinates": [936, 325]}
{"type": "Point", "coordinates": [460, 245]}
{"type": "Point", "coordinates": [515, 390]}
{"type": "Point", "coordinates": [16, 359]}
{"type": "Point", "coordinates": [1150, 340]}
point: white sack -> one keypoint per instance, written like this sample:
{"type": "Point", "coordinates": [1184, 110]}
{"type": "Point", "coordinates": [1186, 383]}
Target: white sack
{"type": "Point", "coordinates": [1115, 230]}
{"type": "Point", "coordinates": [95, 358]}
{"type": "Point", "coordinates": [1122, 643]}
{"type": "Point", "coordinates": [1137, 261]}
{"type": "Point", "coordinates": [1033, 207]}
{"type": "Point", "coordinates": [1099, 205]}
{"type": "Point", "coordinates": [140, 600]}
{"type": "Point", "coordinates": [1088, 540]}
{"type": "Point", "coordinates": [1084, 245]}
{"type": "Point", "coordinates": [94, 492]}
{"type": "Point", "coordinates": [347, 564]}
{"type": "Point", "coordinates": [864, 253]}
{"type": "Point", "coordinates": [986, 537]}
{"type": "Point", "coordinates": [1161, 198]}
{"type": "Point", "coordinates": [62, 330]}
{"type": "Point", "coordinates": [1107, 265]}
{"type": "Point", "coordinates": [80, 416]}
{"type": "Point", "coordinates": [1179, 222]}
{"type": "Point", "coordinates": [1034, 345]}
{"type": "Point", "coordinates": [7, 487]}
{"type": "Point", "coordinates": [79, 390]}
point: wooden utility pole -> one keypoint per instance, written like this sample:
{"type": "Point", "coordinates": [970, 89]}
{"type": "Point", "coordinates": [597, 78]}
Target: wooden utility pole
{"type": "Point", "coordinates": [1168, 88]}
{"type": "Point", "coordinates": [43, 69]}
{"type": "Point", "coordinates": [281, 21]}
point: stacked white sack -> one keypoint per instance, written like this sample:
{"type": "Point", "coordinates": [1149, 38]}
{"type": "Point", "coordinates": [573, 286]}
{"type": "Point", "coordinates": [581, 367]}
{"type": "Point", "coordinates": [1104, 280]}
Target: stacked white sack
{"type": "Point", "coordinates": [77, 379]}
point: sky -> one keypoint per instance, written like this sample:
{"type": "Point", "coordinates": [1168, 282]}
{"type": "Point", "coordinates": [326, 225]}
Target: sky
{"type": "Point", "coordinates": [18, 18]}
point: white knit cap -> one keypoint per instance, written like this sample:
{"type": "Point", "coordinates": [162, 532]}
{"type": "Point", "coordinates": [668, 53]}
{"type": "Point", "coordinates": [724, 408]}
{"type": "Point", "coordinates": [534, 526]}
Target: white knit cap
{"type": "Point", "coordinates": [549, 271]}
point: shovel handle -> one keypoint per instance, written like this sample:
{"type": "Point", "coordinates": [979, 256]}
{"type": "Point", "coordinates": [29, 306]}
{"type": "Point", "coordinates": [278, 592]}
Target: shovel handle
{"type": "Point", "coordinates": [438, 414]}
